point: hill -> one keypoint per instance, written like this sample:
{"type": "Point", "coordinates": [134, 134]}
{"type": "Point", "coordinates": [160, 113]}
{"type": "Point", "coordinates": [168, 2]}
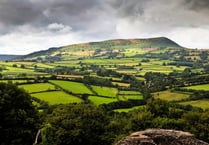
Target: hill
{"type": "Point", "coordinates": [8, 57]}
{"type": "Point", "coordinates": [104, 49]}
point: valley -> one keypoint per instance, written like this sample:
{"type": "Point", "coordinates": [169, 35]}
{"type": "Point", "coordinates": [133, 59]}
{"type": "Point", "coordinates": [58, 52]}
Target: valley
{"type": "Point", "coordinates": [95, 68]}
{"type": "Point", "coordinates": [114, 87]}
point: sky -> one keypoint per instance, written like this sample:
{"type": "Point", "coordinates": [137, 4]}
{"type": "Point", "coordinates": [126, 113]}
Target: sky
{"type": "Point", "coordinates": [32, 25]}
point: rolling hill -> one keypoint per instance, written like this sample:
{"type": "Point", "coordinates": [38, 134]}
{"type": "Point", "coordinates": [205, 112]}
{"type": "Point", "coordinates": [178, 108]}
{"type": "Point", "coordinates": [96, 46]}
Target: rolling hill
{"type": "Point", "coordinates": [105, 49]}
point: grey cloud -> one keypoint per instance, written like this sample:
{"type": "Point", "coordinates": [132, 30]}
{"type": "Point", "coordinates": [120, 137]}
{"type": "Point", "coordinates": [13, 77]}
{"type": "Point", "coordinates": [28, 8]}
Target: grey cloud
{"type": "Point", "coordinates": [163, 14]}
{"type": "Point", "coordinates": [14, 12]}
{"type": "Point", "coordinates": [128, 8]}
{"type": "Point", "coordinates": [197, 4]}
{"type": "Point", "coordinates": [39, 13]}
{"type": "Point", "coordinates": [87, 20]}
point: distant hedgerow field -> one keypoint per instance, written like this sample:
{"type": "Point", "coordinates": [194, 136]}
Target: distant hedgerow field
{"type": "Point", "coordinates": [204, 87]}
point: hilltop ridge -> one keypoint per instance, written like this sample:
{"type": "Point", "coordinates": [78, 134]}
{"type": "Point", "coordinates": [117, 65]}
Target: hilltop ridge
{"type": "Point", "coordinates": [107, 47]}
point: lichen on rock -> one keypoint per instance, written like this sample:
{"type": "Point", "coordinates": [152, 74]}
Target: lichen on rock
{"type": "Point", "coordinates": [160, 137]}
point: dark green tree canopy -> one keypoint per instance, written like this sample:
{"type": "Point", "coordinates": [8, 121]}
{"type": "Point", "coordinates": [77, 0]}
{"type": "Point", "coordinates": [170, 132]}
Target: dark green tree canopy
{"type": "Point", "coordinates": [78, 124]}
{"type": "Point", "coordinates": [18, 117]}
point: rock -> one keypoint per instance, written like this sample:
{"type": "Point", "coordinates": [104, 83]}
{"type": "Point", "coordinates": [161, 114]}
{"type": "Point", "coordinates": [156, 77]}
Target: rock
{"type": "Point", "coordinates": [160, 137]}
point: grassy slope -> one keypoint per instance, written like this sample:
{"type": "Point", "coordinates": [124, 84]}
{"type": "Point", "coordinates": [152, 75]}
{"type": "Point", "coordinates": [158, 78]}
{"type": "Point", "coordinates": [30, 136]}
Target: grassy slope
{"type": "Point", "coordinates": [101, 100]}
{"type": "Point", "coordinates": [198, 103]}
{"type": "Point", "coordinates": [57, 97]}
{"type": "Point", "coordinates": [32, 88]}
{"type": "Point", "coordinates": [134, 97]}
{"type": "Point", "coordinates": [87, 49]}
{"type": "Point", "coordinates": [74, 87]}
{"type": "Point", "coordinates": [105, 91]}
{"type": "Point", "coordinates": [129, 109]}
{"type": "Point", "coordinates": [204, 87]}
{"type": "Point", "coordinates": [171, 96]}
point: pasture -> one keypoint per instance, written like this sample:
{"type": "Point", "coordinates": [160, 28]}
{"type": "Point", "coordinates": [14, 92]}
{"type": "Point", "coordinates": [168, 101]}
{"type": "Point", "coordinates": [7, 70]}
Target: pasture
{"type": "Point", "coordinates": [171, 96]}
{"type": "Point", "coordinates": [101, 100]}
{"type": "Point", "coordinates": [121, 84]}
{"type": "Point", "coordinates": [129, 92]}
{"type": "Point", "coordinates": [129, 109]}
{"type": "Point", "coordinates": [57, 97]}
{"type": "Point", "coordinates": [105, 91]}
{"type": "Point", "coordinates": [39, 87]}
{"type": "Point", "coordinates": [15, 81]}
{"type": "Point", "coordinates": [15, 71]}
{"type": "Point", "coordinates": [132, 97]}
{"type": "Point", "coordinates": [74, 87]}
{"type": "Point", "coordinates": [204, 104]}
{"type": "Point", "coordinates": [42, 65]}
{"type": "Point", "coordinates": [204, 87]}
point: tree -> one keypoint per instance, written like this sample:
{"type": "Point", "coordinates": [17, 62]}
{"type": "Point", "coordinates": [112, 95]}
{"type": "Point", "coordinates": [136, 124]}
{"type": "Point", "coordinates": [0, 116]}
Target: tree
{"type": "Point", "coordinates": [19, 120]}
{"type": "Point", "coordinates": [35, 67]}
{"type": "Point", "coordinates": [14, 65]}
{"type": "Point", "coordinates": [204, 55]}
{"type": "Point", "coordinates": [158, 107]}
{"type": "Point", "coordinates": [206, 68]}
{"type": "Point", "coordinates": [139, 121]}
{"type": "Point", "coordinates": [47, 135]}
{"type": "Point", "coordinates": [78, 124]}
{"type": "Point", "coordinates": [164, 64]}
{"type": "Point", "coordinates": [22, 66]}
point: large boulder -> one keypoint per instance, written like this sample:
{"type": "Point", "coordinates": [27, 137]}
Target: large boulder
{"type": "Point", "coordinates": [160, 137]}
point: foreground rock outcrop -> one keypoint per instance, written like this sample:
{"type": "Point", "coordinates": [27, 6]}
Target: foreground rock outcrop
{"type": "Point", "coordinates": [160, 137]}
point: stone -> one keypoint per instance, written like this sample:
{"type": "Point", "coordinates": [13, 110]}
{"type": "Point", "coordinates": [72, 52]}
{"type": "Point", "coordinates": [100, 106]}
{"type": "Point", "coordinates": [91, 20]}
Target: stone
{"type": "Point", "coordinates": [160, 137]}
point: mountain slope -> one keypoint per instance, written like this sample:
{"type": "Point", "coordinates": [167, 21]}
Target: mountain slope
{"type": "Point", "coordinates": [109, 48]}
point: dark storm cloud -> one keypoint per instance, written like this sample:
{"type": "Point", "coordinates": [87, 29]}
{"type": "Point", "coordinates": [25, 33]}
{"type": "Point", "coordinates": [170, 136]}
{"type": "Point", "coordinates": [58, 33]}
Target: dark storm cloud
{"type": "Point", "coordinates": [197, 4]}
{"type": "Point", "coordinates": [46, 23]}
{"type": "Point", "coordinates": [80, 14]}
{"type": "Point", "coordinates": [41, 13]}
{"type": "Point", "coordinates": [14, 12]}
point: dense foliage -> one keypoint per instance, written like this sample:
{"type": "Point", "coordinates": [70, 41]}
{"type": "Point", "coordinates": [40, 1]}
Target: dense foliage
{"type": "Point", "coordinates": [79, 124]}
{"type": "Point", "coordinates": [19, 119]}
{"type": "Point", "coordinates": [87, 124]}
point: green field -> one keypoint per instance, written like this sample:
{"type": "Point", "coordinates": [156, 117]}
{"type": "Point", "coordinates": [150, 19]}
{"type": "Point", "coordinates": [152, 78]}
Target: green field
{"type": "Point", "coordinates": [39, 87]}
{"type": "Point", "coordinates": [121, 84]}
{"type": "Point", "coordinates": [134, 97]}
{"type": "Point", "coordinates": [57, 97]}
{"type": "Point", "coordinates": [129, 92]}
{"type": "Point", "coordinates": [171, 96]}
{"type": "Point", "coordinates": [74, 87]}
{"type": "Point", "coordinates": [204, 104]}
{"type": "Point", "coordinates": [15, 81]}
{"type": "Point", "coordinates": [43, 65]}
{"type": "Point", "coordinates": [101, 100]}
{"type": "Point", "coordinates": [204, 87]}
{"type": "Point", "coordinates": [129, 109]}
{"type": "Point", "coordinates": [105, 91]}
{"type": "Point", "coordinates": [15, 71]}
